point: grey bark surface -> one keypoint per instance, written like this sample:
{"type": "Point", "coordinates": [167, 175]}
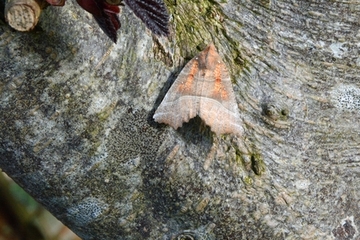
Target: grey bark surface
{"type": "Point", "coordinates": [76, 127]}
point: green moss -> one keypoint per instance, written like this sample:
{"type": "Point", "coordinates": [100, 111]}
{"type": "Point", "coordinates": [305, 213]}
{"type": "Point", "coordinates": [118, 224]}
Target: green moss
{"type": "Point", "coordinates": [238, 157]}
{"type": "Point", "coordinates": [194, 21]}
{"type": "Point", "coordinates": [248, 180]}
{"type": "Point", "coordinates": [257, 164]}
{"type": "Point", "coordinates": [92, 133]}
{"type": "Point", "coordinates": [104, 115]}
{"type": "Point", "coordinates": [198, 23]}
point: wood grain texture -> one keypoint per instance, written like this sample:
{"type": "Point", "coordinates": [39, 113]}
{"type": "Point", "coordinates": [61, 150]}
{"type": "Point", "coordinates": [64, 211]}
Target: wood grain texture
{"type": "Point", "coordinates": [203, 88]}
{"type": "Point", "coordinates": [74, 128]}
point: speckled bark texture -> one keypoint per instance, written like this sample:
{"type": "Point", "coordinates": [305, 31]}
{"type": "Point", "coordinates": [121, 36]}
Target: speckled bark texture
{"type": "Point", "coordinates": [76, 128]}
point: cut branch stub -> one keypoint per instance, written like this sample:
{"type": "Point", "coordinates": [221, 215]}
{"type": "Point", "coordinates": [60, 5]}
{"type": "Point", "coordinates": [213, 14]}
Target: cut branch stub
{"type": "Point", "coordinates": [23, 15]}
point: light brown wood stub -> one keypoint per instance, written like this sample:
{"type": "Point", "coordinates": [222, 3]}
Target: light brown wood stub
{"type": "Point", "coordinates": [22, 15]}
{"type": "Point", "coordinates": [202, 88]}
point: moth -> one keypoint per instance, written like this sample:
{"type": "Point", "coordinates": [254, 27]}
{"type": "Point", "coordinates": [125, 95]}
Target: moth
{"type": "Point", "coordinates": [202, 88]}
{"type": "Point", "coordinates": [105, 12]}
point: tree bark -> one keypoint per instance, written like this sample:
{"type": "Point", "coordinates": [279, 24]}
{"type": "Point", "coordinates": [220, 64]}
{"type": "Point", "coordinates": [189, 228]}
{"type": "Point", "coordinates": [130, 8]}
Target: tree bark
{"type": "Point", "coordinates": [76, 128]}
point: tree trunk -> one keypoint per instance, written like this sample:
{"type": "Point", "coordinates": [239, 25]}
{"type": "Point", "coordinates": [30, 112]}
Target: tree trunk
{"type": "Point", "coordinates": [76, 128]}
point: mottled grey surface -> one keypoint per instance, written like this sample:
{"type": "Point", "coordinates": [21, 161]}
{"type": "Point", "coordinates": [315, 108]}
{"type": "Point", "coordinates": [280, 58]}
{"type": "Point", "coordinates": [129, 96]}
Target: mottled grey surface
{"type": "Point", "coordinates": [76, 127]}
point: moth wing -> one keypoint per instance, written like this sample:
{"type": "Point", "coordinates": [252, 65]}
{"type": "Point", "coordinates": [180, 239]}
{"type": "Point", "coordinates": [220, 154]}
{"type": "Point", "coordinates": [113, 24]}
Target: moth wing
{"type": "Point", "coordinates": [202, 88]}
{"type": "Point", "coordinates": [218, 106]}
{"type": "Point", "coordinates": [179, 104]}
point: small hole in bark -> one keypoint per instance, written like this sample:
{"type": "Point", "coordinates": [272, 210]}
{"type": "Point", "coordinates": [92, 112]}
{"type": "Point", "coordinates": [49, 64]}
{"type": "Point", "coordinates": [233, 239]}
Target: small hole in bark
{"type": "Point", "coordinates": [285, 112]}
